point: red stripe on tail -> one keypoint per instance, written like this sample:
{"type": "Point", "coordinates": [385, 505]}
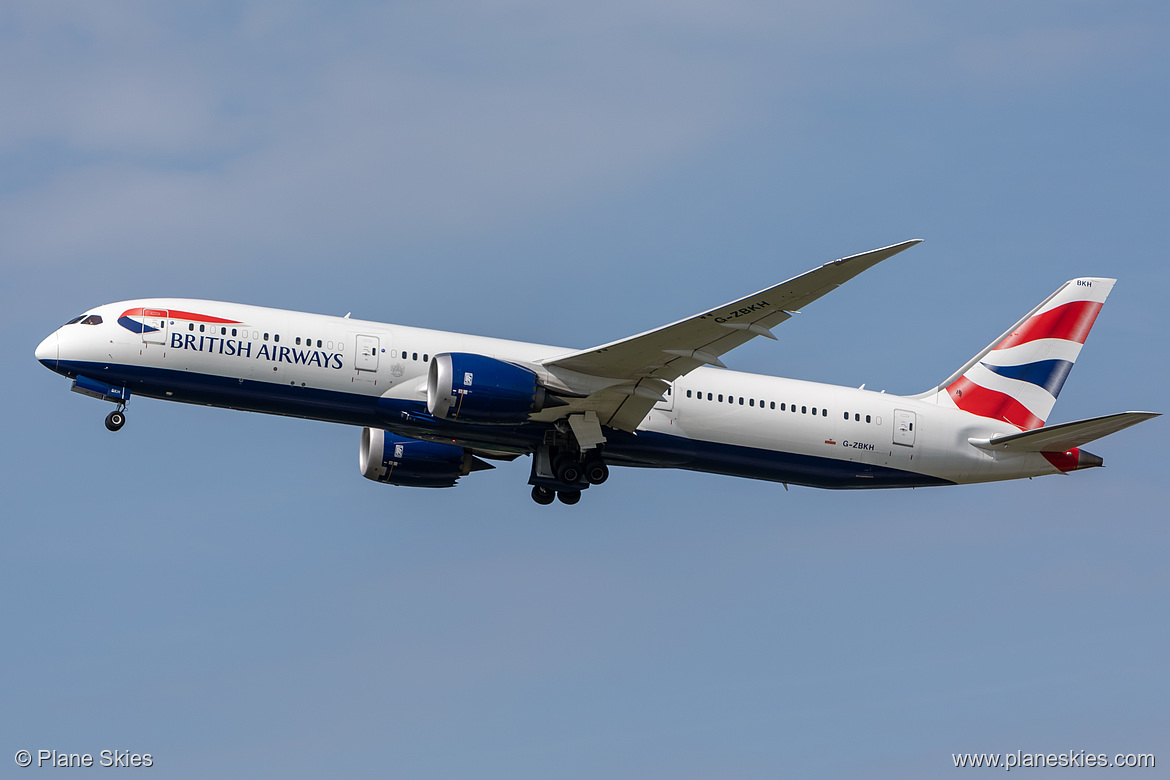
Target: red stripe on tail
{"type": "Point", "coordinates": [978, 400]}
{"type": "Point", "coordinates": [1072, 321]}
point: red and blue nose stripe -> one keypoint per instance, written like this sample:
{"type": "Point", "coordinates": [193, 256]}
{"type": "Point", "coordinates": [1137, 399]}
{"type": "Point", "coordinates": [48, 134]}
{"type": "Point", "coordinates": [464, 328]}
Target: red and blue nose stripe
{"type": "Point", "coordinates": [126, 319]}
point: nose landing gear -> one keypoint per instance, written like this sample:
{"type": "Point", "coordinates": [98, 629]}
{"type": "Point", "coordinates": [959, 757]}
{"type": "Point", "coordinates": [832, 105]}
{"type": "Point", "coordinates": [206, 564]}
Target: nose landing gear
{"type": "Point", "coordinates": [116, 419]}
{"type": "Point", "coordinates": [104, 391]}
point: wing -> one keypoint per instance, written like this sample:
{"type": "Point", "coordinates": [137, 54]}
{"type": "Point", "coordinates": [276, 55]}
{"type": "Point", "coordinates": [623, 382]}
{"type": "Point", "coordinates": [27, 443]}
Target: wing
{"type": "Point", "coordinates": [641, 367]}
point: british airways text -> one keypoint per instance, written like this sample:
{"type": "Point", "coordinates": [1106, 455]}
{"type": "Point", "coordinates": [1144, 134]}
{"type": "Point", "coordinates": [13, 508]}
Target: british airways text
{"type": "Point", "coordinates": [274, 353]}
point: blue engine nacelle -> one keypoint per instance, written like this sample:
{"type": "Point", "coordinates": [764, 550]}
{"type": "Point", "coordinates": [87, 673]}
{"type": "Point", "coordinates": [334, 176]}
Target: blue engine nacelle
{"type": "Point", "coordinates": [393, 460]}
{"type": "Point", "coordinates": [479, 389]}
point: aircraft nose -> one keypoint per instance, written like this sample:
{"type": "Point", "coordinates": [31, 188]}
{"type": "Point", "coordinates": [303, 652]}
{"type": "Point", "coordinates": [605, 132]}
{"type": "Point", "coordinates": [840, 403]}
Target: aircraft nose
{"type": "Point", "coordinates": [47, 352]}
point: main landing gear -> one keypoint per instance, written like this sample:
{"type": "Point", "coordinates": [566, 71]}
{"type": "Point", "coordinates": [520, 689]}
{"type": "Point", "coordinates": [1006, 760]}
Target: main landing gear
{"type": "Point", "coordinates": [545, 495]}
{"type": "Point", "coordinates": [116, 419]}
{"type": "Point", "coordinates": [561, 469]}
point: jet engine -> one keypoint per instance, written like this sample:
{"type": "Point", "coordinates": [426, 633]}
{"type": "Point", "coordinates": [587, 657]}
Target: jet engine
{"type": "Point", "coordinates": [395, 460]}
{"type": "Point", "coordinates": [475, 388]}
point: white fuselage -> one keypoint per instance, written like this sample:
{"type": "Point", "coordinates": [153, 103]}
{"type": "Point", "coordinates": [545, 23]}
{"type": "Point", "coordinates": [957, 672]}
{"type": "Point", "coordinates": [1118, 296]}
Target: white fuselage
{"type": "Point", "coordinates": [367, 373]}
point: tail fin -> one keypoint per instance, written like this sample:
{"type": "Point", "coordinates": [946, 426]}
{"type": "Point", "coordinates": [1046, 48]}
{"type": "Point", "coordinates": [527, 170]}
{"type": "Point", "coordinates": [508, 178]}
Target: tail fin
{"type": "Point", "coordinates": [1018, 377]}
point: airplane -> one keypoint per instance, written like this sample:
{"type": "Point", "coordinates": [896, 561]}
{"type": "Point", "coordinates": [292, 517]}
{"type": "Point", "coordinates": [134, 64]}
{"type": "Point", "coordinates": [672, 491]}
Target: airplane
{"type": "Point", "coordinates": [435, 406]}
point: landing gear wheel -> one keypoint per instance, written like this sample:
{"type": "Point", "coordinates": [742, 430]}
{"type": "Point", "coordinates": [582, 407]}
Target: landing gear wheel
{"type": "Point", "coordinates": [568, 471]}
{"type": "Point", "coordinates": [596, 471]}
{"type": "Point", "coordinates": [542, 495]}
{"type": "Point", "coordinates": [569, 497]}
{"type": "Point", "coordinates": [115, 420]}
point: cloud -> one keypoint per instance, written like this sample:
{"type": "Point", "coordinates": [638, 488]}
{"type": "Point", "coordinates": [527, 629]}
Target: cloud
{"type": "Point", "coordinates": [136, 132]}
{"type": "Point", "coordinates": [388, 125]}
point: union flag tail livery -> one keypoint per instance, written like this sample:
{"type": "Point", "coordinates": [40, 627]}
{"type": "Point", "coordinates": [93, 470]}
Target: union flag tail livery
{"type": "Point", "coordinates": [435, 406]}
{"type": "Point", "coordinates": [1017, 378]}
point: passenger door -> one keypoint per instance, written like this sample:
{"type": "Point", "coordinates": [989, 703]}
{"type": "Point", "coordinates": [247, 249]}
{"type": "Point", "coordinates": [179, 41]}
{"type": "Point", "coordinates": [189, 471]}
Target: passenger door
{"type": "Point", "coordinates": [904, 427]}
{"type": "Point", "coordinates": [154, 323]}
{"type": "Point", "coordinates": [366, 353]}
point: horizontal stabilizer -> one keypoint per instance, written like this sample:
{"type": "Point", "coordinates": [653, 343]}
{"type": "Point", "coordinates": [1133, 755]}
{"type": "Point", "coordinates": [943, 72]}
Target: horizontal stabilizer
{"type": "Point", "coordinates": [1065, 436]}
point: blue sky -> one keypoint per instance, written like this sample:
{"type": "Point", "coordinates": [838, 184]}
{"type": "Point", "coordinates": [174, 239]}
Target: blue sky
{"type": "Point", "coordinates": [225, 592]}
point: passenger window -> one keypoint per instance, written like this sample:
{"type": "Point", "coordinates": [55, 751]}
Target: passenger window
{"type": "Point", "coordinates": [772, 405]}
{"type": "Point", "coordinates": [266, 337]}
{"type": "Point", "coordinates": [688, 393]}
{"type": "Point", "coordinates": [867, 418]}
{"type": "Point", "coordinates": [202, 328]}
{"type": "Point", "coordinates": [856, 418]}
{"type": "Point", "coordinates": [846, 415]}
{"type": "Point", "coordinates": [318, 343]}
{"type": "Point", "coordinates": [803, 409]}
{"type": "Point", "coordinates": [708, 396]}
{"type": "Point", "coordinates": [414, 356]}
{"type": "Point", "coordinates": [276, 337]}
{"type": "Point", "coordinates": [824, 412]}
{"type": "Point", "coordinates": [721, 398]}
{"type": "Point", "coordinates": [814, 411]}
{"type": "Point", "coordinates": [426, 358]}
{"type": "Point", "coordinates": [233, 332]}
{"type": "Point", "coordinates": [741, 400]}
{"type": "Point", "coordinates": [298, 341]}
{"type": "Point", "coordinates": [751, 402]}
{"type": "Point", "coordinates": [190, 326]}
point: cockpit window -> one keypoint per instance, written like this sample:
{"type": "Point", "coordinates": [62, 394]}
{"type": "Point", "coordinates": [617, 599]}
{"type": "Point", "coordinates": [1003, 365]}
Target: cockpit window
{"type": "Point", "coordinates": [75, 320]}
{"type": "Point", "coordinates": [93, 319]}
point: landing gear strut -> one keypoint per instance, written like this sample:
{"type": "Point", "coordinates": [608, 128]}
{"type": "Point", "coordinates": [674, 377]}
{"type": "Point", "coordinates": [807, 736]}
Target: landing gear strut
{"type": "Point", "coordinates": [561, 469]}
{"type": "Point", "coordinates": [116, 419]}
